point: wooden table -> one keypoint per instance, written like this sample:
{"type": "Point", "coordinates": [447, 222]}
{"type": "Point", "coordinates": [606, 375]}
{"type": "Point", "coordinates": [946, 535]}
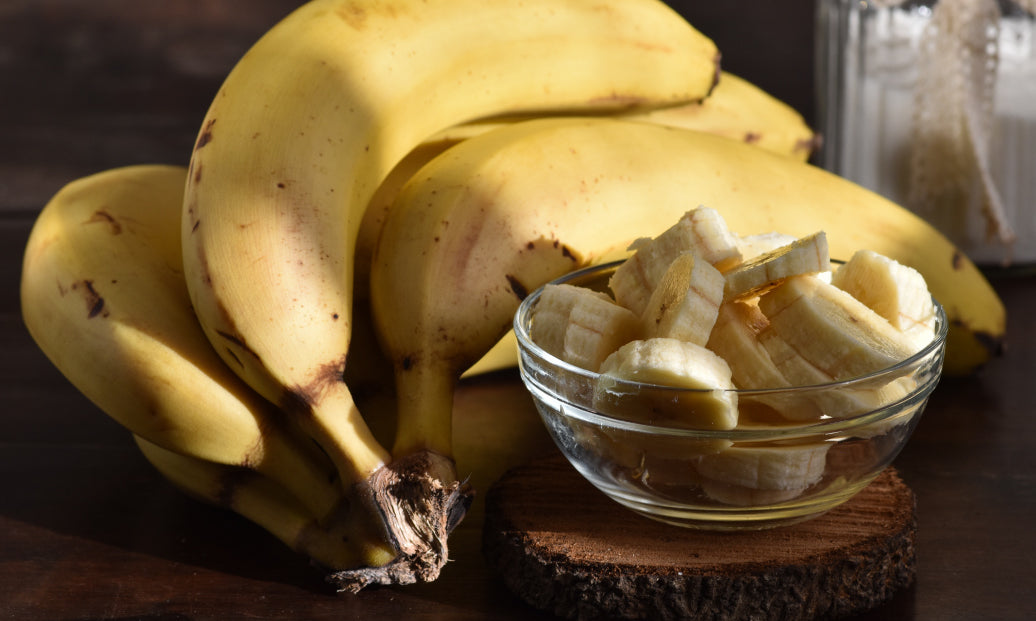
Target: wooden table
{"type": "Point", "coordinates": [89, 531]}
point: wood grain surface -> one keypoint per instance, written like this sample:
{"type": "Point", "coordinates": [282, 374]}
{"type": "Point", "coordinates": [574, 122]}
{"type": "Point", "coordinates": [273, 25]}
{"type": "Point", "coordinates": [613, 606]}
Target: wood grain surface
{"type": "Point", "coordinates": [563, 547]}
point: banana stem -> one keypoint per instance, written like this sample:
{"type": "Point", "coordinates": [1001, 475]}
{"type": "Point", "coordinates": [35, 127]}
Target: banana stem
{"type": "Point", "coordinates": [424, 391]}
{"type": "Point", "coordinates": [420, 502]}
{"type": "Point", "coordinates": [337, 425]}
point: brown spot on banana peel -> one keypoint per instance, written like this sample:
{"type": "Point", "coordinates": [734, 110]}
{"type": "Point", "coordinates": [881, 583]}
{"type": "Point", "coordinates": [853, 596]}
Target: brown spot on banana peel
{"type": "Point", "coordinates": [301, 399]}
{"type": "Point", "coordinates": [809, 146]}
{"type": "Point", "coordinates": [205, 136]}
{"type": "Point", "coordinates": [520, 290]}
{"type": "Point", "coordinates": [237, 342]}
{"type": "Point", "coordinates": [102, 216]}
{"type": "Point", "coordinates": [993, 344]}
{"type": "Point", "coordinates": [957, 261]}
{"type": "Point", "coordinates": [94, 302]}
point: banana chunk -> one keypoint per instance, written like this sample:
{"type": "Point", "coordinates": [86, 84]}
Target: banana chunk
{"type": "Point", "coordinates": [895, 291]}
{"type": "Point", "coordinates": [808, 255]}
{"type": "Point", "coordinates": [767, 467]}
{"type": "Point", "coordinates": [741, 496]}
{"type": "Point", "coordinates": [669, 364]}
{"type": "Point", "coordinates": [752, 246]}
{"type": "Point", "coordinates": [701, 230]}
{"type": "Point", "coordinates": [815, 325]}
{"type": "Point", "coordinates": [734, 337]}
{"type": "Point", "coordinates": [581, 326]}
{"type": "Point", "coordinates": [685, 304]}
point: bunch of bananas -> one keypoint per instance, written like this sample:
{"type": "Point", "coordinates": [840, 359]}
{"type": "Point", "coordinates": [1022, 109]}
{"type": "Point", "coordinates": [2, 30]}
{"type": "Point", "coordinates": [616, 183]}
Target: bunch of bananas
{"type": "Point", "coordinates": [408, 168]}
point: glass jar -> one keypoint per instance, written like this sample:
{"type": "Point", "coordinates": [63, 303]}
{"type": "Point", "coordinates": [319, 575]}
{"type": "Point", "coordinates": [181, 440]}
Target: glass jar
{"type": "Point", "coordinates": [877, 123]}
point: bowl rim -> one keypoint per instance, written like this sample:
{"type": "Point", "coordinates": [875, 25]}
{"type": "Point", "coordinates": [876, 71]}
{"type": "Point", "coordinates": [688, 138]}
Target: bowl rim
{"type": "Point", "coordinates": [917, 394]}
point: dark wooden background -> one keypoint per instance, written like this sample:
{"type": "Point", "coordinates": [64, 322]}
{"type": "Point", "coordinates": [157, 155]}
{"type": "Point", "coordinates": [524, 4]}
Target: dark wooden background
{"type": "Point", "coordinates": [89, 531]}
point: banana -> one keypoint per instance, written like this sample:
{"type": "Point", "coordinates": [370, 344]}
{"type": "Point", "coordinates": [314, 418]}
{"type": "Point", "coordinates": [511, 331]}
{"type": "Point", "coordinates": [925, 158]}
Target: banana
{"type": "Point", "coordinates": [581, 326]}
{"type": "Point", "coordinates": [751, 246]}
{"type": "Point", "coordinates": [103, 295]}
{"type": "Point", "coordinates": [262, 501]}
{"type": "Point", "coordinates": [734, 337]}
{"type": "Point", "coordinates": [306, 127]}
{"type": "Point", "coordinates": [701, 231]}
{"type": "Point", "coordinates": [740, 110]}
{"type": "Point", "coordinates": [741, 337]}
{"type": "Point", "coordinates": [705, 398]}
{"type": "Point", "coordinates": [685, 304]}
{"type": "Point", "coordinates": [735, 108]}
{"type": "Point", "coordinates": [827, 329]}
{"type": "Point", "coordinates": [751, 475]}
{"type": "Point", "coordinates": [893, 290]}
{"type": "Point", "coordinates": [742, 496]}
{"type": "Point", "coordinates": [808, 255]}
{"type": "Point", "coordinates": [502, 213]}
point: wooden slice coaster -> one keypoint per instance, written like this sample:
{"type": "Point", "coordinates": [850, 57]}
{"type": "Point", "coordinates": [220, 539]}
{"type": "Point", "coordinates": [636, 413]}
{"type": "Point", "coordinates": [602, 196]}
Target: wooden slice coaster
{"type": "Point", "coordinates": [562, 546]}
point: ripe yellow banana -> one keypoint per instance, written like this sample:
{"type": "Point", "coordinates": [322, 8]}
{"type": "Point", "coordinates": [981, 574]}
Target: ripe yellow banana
{"type": "Point", "coordinates": [735, 108]}
{"type": "Point", "coordinates": [310, 122]}
{"type": "Point", "coordinates": [263, 501]}
{"type": "Point", "coordinates": [103, 295]}
{"type": "Point", "coordinates": [502, 213]}
{"type": "Point", "coordinates": [740, 110]}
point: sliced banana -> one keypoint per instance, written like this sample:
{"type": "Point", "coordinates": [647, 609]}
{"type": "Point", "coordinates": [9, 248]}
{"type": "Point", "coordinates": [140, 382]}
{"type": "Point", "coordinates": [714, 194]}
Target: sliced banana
{"type": "Point", "coordinates": [793, 467]}
{"type": "Point", "coordinates": [713, 240]}
{"type": "Point", "coordinates": [710, 404]}
{"type": "Point", "coordinates": [752, 246]}
{"type": "Point", "coordinates": [581, 326]}
{"type": "Point", "coordinates": [686, 301]}
{"type": "Point", "coordinates": [741, 496]}
{"type": "Point", "coordinates": [818, 331]}
{"type": "Point", "coordinates": [895, 291]}
{"type": "Point", "coordinates": [734, 338]}
{"type": "Point", "coordinates": [701, 230]}
{"type": "Point", "coordinates": [808, 255]}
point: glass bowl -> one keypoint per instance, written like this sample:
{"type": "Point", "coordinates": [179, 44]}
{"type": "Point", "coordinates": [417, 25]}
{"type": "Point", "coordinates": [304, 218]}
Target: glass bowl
{"type": "Point", "coordinates": [766, 472]}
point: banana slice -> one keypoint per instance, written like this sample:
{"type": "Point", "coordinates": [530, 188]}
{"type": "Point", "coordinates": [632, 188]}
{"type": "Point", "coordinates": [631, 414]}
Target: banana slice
{"type": "Point", "coordinates": [686, 301]}
{"type": "Point", "coordinates": [734, 337]}
{"type": "Point", "coordinates": [751, 246]}
{"type": "Point", "coordinates": [581, 326]}
{"type": "Point", "coordinates": [895, 291]}
{"type": "Point", "coordinates": [741, 496]}
{"type": "Point", "coordinates": [713, 241]}
{"type": "Point", "coordinates": [674, 364]}
{"type": "Point", "coordinates": [767, 467]}
{"type": "Point", "coordinates": [836, 403]}
{"type": "Point", "coordinates": [808, 255]}
{"type": "Point", "coordinates": [701, 230]}
{"type": "Point", "coordinates": [815, 325]}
